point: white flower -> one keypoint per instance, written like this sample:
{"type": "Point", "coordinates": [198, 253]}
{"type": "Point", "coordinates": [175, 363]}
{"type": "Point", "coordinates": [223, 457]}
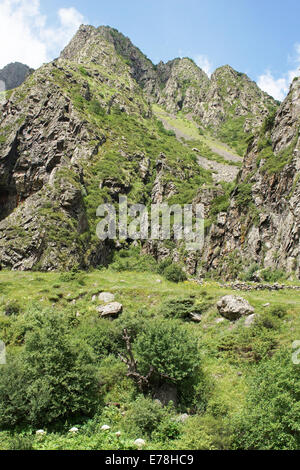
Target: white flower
{"type": "Point", "coordinates": [74, 430]}
{"type": "Point", "coordinates": [140, 443]}
{"type": "Point", "coordinates": [105, 428]}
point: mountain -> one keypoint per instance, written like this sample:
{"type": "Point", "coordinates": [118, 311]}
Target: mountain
{"type": "Point", "coordinates": [262, 223]}
{"type": "Point", "coordinates": [13, 75]}
{"type": "Point", "coordinates": [102, 120]}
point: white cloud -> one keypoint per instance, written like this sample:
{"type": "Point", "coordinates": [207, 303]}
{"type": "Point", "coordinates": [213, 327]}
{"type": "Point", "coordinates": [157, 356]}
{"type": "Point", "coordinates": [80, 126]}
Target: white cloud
{"type": "Point", "coordinates": [25, 35]}
{"type": "Point", "coordinates": [203, 62]}
{"type": "Point", "coordinates": [279, 88]}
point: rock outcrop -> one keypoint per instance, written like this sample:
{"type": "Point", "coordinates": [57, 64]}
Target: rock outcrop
{"type": "Point", "coordinates": [80, 131]}
{"type": "Point", "coordinates": [262, 224]}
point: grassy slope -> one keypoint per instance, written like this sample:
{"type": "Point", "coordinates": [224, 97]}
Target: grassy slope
{"type": "Point", "coordinates": [142, 295]}
{"type": "Point", "coordinates": [188, 130]}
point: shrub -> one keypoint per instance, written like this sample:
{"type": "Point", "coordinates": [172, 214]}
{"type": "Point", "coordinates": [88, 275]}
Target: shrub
{"type": "Point", "coordinates": [164, 264]}
{"type": "Point", "coordinates": [269, 275]}
{"type": "Point", "coordinates": [103, 336]}
{"type": "Point", "coordinates": [51, 380]}
{"type": "Point", "coordinates": [278, 311]}
{"type": "Point", "coordinates": [169, 348]}
{"type": "Point", "coordinates": [174, 273]}
{"type": "Point", "coordinates": [244, 195]}
{"type": "Point", "coordinates": [271, 418]}
{"type": "Point", "coordinates": [12, 307]}
{"type": "Point", "coordinates": [248, 274]}
{"type": "Point", "coordinates": [183, 308]}
{"type": "Point", "coordinates": [144, 416]}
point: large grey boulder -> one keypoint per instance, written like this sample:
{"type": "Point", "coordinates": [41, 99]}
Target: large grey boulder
{"type": "Point", "coordinates": [110, 310]}
{"type": "Point", "coordinates": [233, 308]}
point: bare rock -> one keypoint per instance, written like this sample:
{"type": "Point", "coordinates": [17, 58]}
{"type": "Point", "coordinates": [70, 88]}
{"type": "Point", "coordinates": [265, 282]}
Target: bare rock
{"type": "Point", "coordinates": [233, 308]}
{"type": "Point", "coordinates": [106, 297]}
{"type": "Point", "coordinates": [110, 310]}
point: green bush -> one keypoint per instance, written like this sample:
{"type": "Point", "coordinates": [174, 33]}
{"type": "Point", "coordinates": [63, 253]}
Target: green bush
{"type": "Point", "coordinates": [164, 264]}
{"type": "Point", "coordinates": [103, 336]}
{"type": "Point", "coordinates": [174, 273]}
{"type": "Point", "coordinates": [183, 308]}
{"type": "Point", "coordinates": [144, 416]}
{"type": "Point", "coordinates": [169, 348]}
{"type": "Point", "coordinates": [272, 275]}
{"type": "Point", "coordinates": [248, 274]}
{"type": "Point", "coordinates": [53, 379]}
{"type": "Point", "coordinates": [243, 195]}
{"type": "Point", "coordinates": [270, 420]}
{"type": "Point", "coordinates": [278, 311]}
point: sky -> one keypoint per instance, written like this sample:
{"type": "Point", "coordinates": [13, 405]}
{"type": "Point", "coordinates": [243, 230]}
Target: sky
{"type": "Point", "coordinates": [257, 37]}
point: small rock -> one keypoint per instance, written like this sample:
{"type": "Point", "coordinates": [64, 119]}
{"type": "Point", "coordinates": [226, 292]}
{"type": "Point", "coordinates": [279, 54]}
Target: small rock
{"type": "Point", "coordinates": [110, 310]}
{"type": "Point", "coordinates": [94, 298]}
{"type": "Point", "coordinates": [140, 443]}
{"type": "Point", "coordinates": [159, 281]}
{"type": "Point", "coordinates": [239, 374]}
{"type": "Point", "coordinates": [106, 297]}
{"type": "Point", "coordinates": [118, 434]}
{"type": "Point", "coordinates": [40, 432]}
{"type": "Point", "coordinates": [219, 320]}
{"type": "Point", "coordinates": [266, 305]}
{"type": "Point", "coordinates": [196, 317]}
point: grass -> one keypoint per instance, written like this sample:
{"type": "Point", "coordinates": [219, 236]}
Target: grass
{"type": "Point", "coordinates": [136, 290]}
{"type": "Point", "coordinates": [225, 361]}
{"type": "Point", "coordinates": [189, 129]}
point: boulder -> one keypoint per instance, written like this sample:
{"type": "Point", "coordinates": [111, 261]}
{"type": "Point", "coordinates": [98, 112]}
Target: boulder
{"type": "Point", "coordinates": [233, 308]}
{"type": "Point", "coordinates": [110, 310]}
{"type": "Point", "coordinates": [106, 297]}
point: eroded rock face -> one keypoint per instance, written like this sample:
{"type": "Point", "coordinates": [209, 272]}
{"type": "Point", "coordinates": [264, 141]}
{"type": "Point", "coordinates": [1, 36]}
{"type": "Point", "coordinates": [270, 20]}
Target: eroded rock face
{"type": "Point", "coordinates": [232, 308]}
{"type": "Point", "coordinates": [48, 143]}
{"type": "Point", "coordinates": [263, 226]}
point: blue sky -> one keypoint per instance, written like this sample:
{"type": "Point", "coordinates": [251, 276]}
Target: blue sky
{"type": "Point", "coordinates": [258, 37]}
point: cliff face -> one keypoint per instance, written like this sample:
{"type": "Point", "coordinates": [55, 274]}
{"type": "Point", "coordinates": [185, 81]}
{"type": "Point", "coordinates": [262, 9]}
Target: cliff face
{"type": "Point", "coordinates": [13, 75]}
{"type": "Point", "coordinates": [262, 224]}
{"type": "Point", "coordinates": [80, 131]}
{"type": "Point", "coordinates": [76, 134]}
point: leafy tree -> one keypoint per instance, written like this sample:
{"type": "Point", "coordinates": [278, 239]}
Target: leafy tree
{"type": "Point", "coordinates": [168, 348]}
{"type": "Point", "coordinates": [52, 379]}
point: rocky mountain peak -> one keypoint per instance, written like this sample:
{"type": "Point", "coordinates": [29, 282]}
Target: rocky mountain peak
{"type": "Point", "coordinates": [14, 74]}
